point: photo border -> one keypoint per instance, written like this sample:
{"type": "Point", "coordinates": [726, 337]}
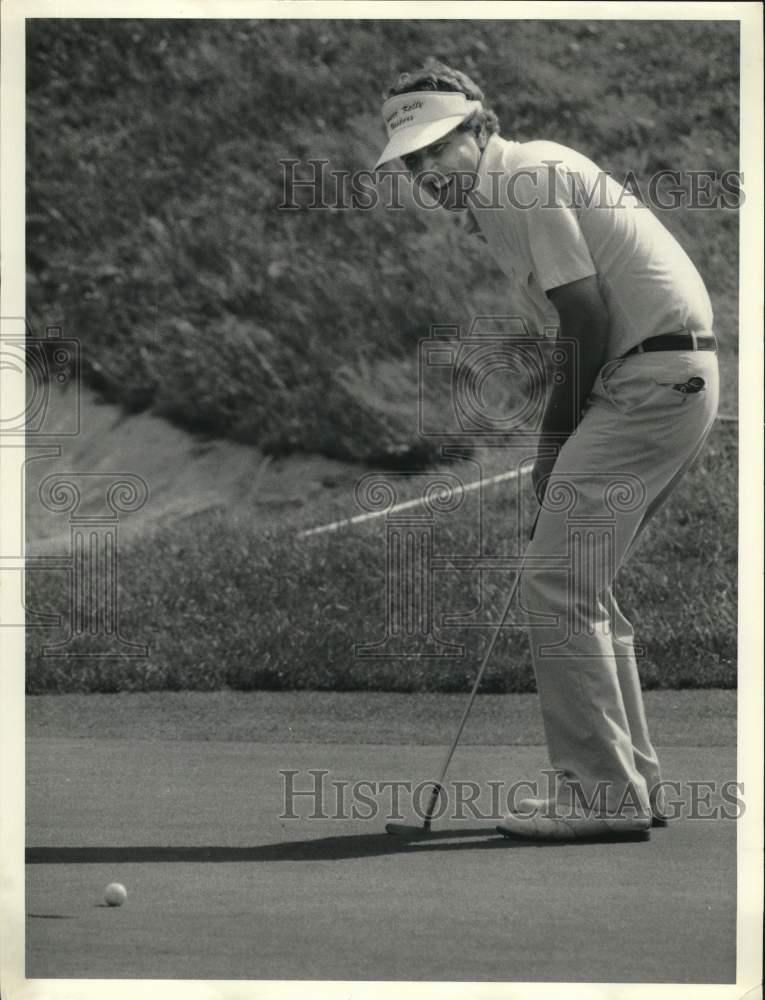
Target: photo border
{"type": "Point", "coordinates": [750, 691]}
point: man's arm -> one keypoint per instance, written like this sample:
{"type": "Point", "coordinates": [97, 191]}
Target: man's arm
{"type": "Point", "coordinates": [583, 319]}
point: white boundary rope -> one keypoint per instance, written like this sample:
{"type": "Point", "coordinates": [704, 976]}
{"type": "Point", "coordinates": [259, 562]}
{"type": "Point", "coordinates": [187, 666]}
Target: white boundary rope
{"type": "Point", "coordinates": [501, 477]}
{"type": "Point", "coordinates": [417, 502]}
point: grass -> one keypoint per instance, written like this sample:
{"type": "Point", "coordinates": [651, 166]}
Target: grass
{"type": "Point", "coordinates": [221, 607]}
{"type": "Point", "coordinates": [676, 718]}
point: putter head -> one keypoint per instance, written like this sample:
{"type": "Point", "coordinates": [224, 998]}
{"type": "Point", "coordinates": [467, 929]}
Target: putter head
{"type": "Point", "coordinates": [407, 829]}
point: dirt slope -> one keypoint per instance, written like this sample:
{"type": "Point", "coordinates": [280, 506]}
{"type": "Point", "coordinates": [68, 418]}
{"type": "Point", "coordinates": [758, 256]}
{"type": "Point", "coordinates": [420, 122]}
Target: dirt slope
{"type": "Point", "coordinates": [185, 474]}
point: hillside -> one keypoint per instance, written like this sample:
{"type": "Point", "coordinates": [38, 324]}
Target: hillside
{"type": "Point", "coordinates": [154, 235]}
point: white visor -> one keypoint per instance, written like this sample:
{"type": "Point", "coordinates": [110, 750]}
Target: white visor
{"type": "Point", "coordinates": [418, 119]}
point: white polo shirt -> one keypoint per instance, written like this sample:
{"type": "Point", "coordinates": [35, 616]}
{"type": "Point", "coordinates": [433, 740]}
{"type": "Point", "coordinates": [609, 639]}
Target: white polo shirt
{"type": "Point", "coordinates": [550, 216]}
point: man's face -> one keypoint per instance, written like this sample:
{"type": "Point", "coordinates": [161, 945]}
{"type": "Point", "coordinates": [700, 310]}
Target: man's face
{"type": "Point", "coordinates": [447, 168]}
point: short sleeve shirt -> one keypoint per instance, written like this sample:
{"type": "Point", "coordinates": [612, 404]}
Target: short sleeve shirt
{"type": "Point", "coordinates": [550, 216]}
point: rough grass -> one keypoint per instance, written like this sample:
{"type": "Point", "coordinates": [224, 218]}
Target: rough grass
{"type": "Point", "coordinates": [223, 607]}
{"type": "Point", "coordinates": [155, 238]}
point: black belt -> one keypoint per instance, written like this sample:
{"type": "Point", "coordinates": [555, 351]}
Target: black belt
{"type": "Point", "coordinates": [676, 342]}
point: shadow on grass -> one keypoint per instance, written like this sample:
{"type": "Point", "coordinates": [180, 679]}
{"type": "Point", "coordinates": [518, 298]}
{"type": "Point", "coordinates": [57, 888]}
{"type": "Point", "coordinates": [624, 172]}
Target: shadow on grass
{"type": "Point", "coordinates": [317, 849]}
{"type": "Point", "coordinates": [321, 849]}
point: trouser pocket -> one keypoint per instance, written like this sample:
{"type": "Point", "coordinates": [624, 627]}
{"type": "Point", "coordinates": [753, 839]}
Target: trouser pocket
{"type": "Point", "coordinates": [665, 379]}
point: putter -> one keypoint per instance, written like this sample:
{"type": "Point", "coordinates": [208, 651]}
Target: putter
{"type": "Point", "coordinates": [413, 829]}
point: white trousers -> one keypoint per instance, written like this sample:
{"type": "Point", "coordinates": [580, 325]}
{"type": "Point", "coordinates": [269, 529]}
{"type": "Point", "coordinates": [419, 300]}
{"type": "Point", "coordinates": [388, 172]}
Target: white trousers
{"type": "Point", "coordinates": [636, 440]}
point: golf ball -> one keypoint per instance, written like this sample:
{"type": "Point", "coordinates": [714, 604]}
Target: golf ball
{"type": "Point", "coordinates": [115, 894]}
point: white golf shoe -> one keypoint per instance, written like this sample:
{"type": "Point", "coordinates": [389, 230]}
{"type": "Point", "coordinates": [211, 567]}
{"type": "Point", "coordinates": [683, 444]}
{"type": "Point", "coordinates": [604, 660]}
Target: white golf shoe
{"type": "Point", "coordinates": [541, 825]}
{"type": "Point", "coordinates": [545, 806]}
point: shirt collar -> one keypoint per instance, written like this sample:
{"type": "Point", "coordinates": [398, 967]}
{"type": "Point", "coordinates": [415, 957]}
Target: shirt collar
{"type": "Point", "coordinates": [495, 160]}
{"type": "Point", "coordinates": [488, 186]}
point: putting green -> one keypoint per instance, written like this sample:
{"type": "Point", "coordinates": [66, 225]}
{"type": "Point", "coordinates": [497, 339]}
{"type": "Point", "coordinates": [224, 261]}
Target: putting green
{"type": "Point", "coordinates": [221, 885]}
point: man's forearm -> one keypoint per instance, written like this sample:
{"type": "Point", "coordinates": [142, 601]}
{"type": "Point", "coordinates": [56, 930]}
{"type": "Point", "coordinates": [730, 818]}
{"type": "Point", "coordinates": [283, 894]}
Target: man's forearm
{"type": "Point", "coordinates": [569, 395]}
{"type": "Point", "coordinates": [584, 324]}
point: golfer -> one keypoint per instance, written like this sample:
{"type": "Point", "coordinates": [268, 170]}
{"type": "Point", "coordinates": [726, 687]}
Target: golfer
{"type": "Point", "coordinates": [638, 399]}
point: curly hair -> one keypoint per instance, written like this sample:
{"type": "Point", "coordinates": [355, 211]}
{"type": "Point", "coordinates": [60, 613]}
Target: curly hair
{"type": "Point", "coordinates": [435, 75]}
